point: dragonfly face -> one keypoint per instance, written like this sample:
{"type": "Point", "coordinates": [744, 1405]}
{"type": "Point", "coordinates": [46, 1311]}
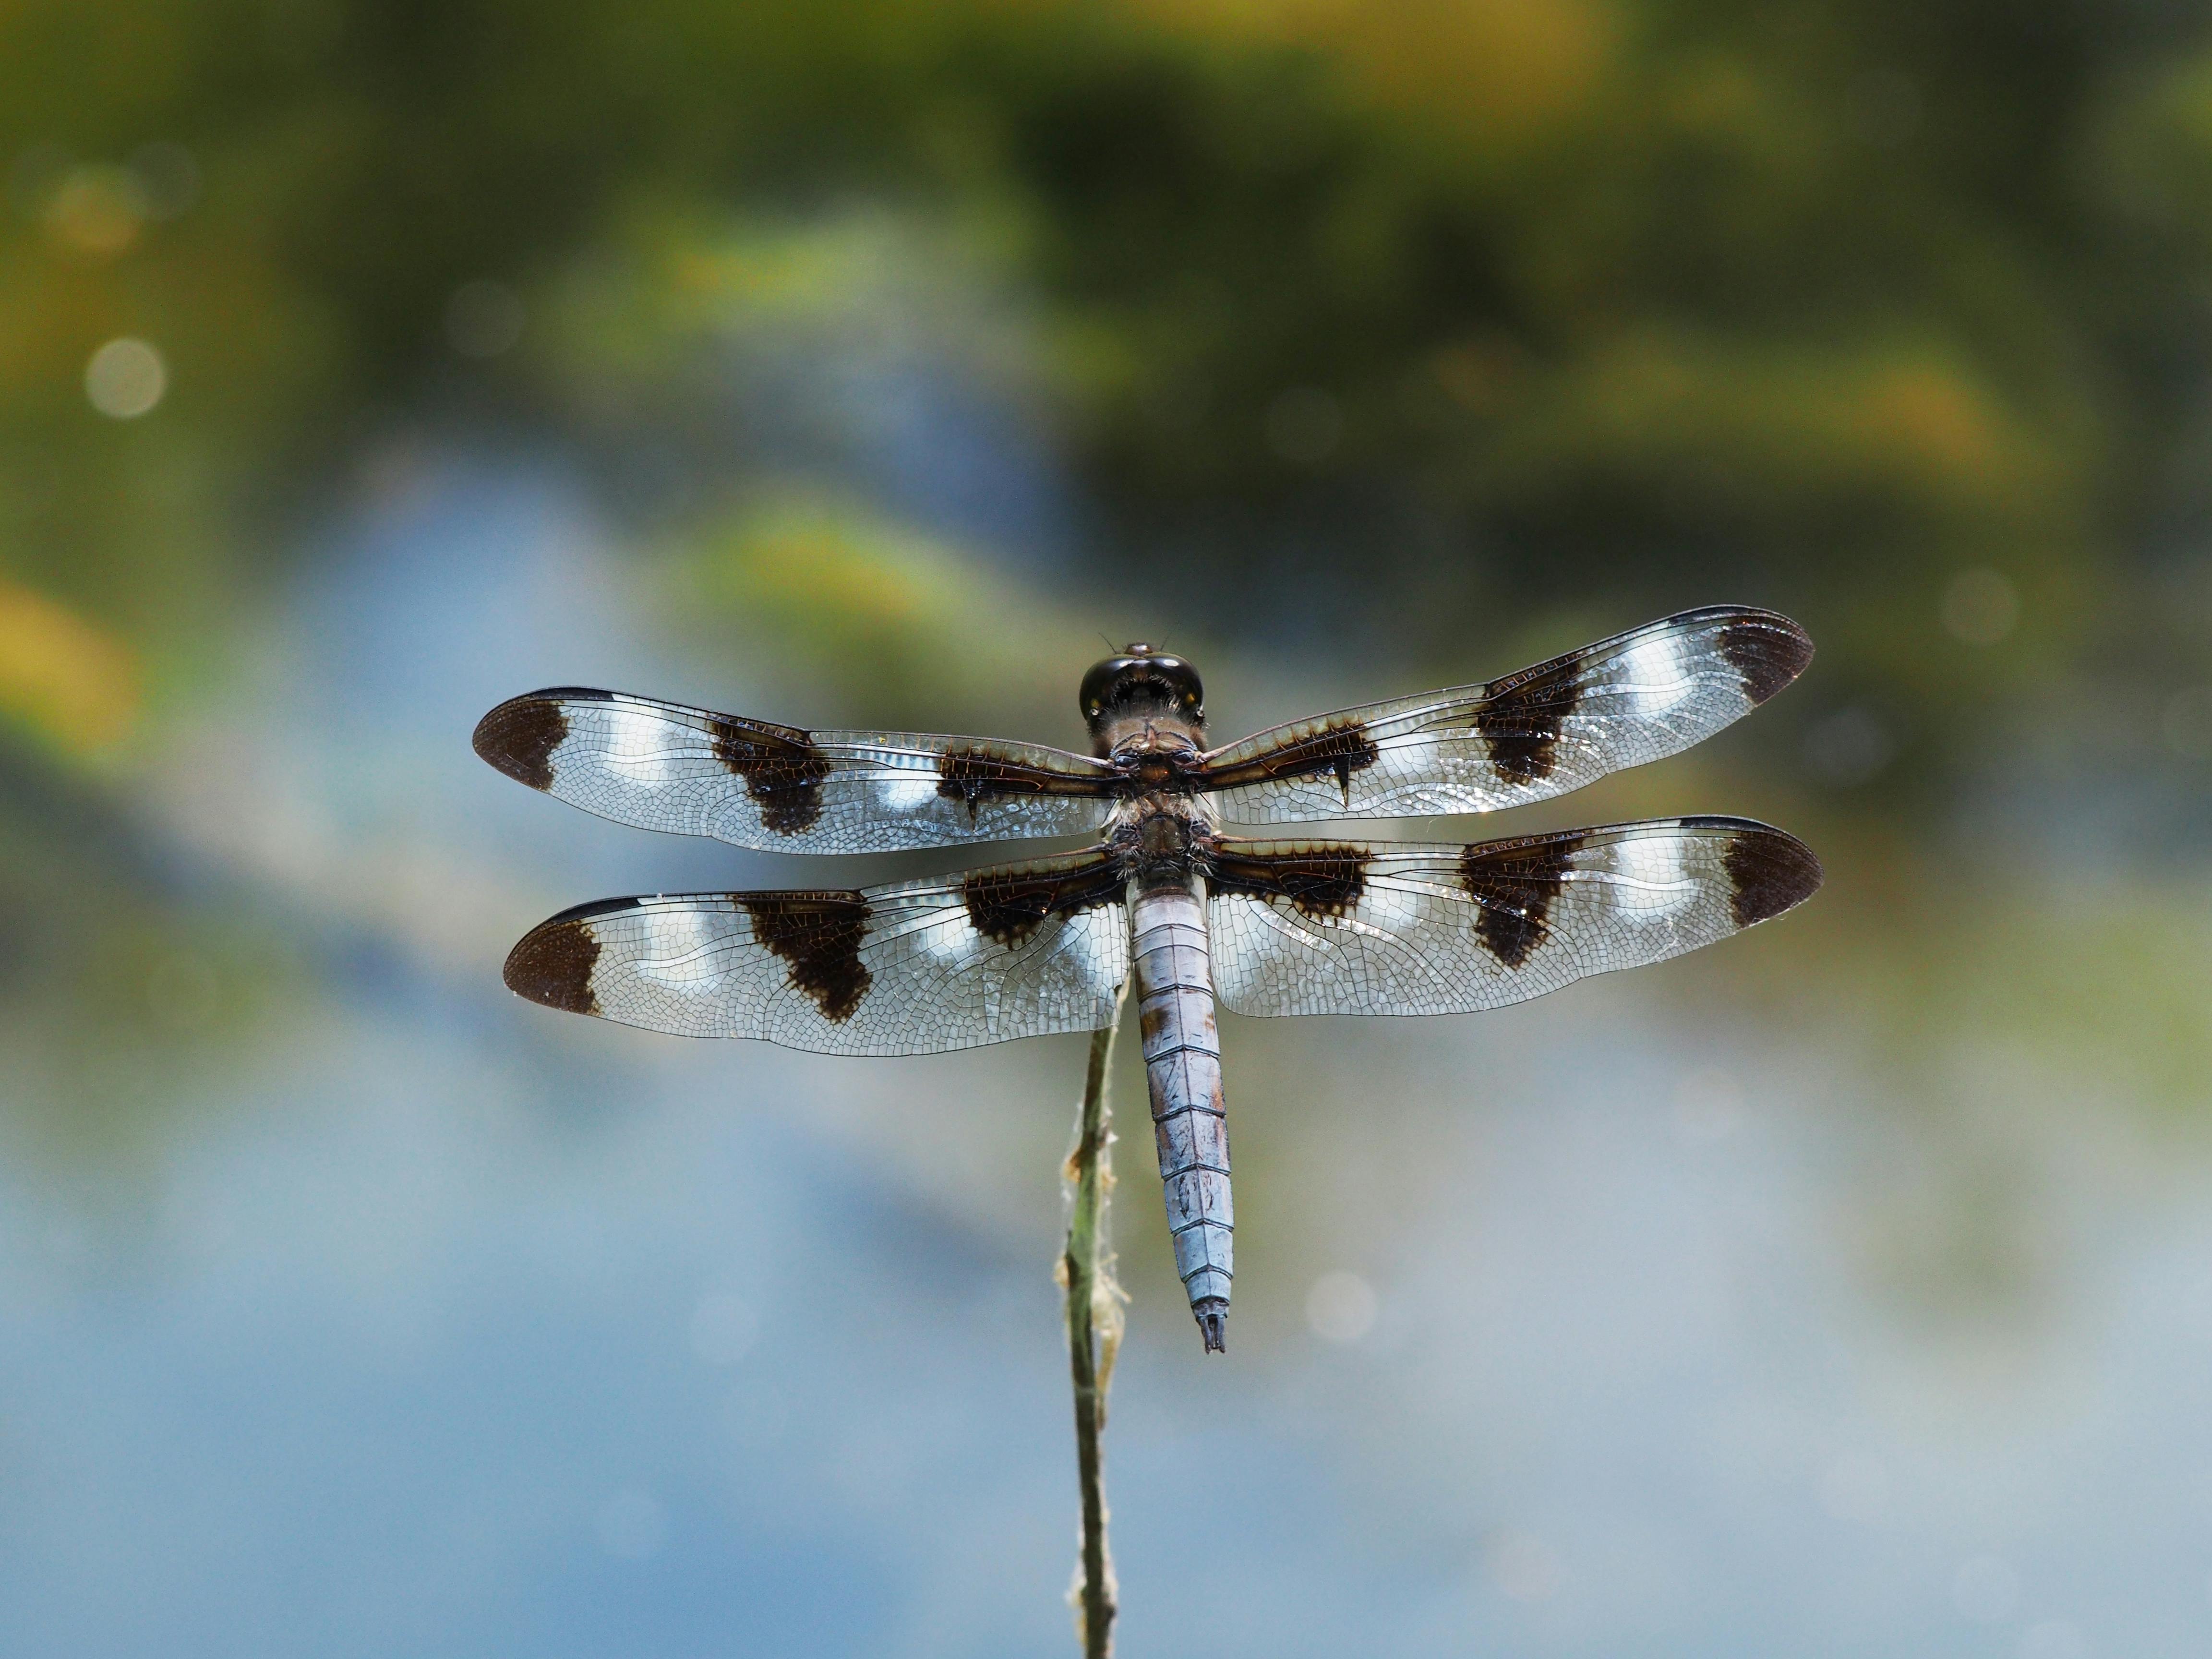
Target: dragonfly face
{"type": "Point", "coordinates": [1129, 699]}
{"type": "Point", "coordinates": [1196, 916]}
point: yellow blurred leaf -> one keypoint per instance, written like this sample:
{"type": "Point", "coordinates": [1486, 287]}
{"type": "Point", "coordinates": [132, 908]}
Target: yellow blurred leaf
{"type": "Point", "coordinates": [896, 620]}
{"type": "Point", "coordinates": [1915, 423]}
{"type": "Point", "coordinates": [61, 676]}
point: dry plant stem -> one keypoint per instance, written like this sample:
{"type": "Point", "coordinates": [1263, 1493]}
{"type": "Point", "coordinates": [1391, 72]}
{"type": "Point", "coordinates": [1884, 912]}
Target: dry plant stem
{"type": "Point", "coordinates": [1094, 1334]}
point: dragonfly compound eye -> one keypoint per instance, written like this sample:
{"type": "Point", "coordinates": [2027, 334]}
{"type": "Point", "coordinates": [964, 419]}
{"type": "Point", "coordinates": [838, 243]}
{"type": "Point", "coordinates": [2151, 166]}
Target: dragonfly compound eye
{"type": "Point", "coordinates": [1135, 683]}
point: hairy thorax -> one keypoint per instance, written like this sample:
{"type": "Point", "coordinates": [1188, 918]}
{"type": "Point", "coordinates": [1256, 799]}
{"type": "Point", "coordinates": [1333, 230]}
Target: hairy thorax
{"type": "Point", "coordinates": [1164, 838]}
{"type": "Point", "coordinates": [1163, 828]}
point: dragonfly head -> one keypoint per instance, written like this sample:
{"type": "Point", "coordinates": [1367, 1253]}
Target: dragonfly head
{"type": "Point", "coordinates": [1142, 683]}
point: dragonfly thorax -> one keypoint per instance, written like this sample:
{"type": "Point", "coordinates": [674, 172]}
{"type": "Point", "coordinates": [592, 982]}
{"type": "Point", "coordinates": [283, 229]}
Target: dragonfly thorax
{"type": "Point", "coordinates": [1159, 756]}
{"type": "Point", "coordinates": [1161, 839]}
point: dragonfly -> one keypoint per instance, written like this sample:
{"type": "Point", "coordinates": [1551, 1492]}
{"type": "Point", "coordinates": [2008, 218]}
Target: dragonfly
{"type": "Point", "coordinates": [1202, 918]}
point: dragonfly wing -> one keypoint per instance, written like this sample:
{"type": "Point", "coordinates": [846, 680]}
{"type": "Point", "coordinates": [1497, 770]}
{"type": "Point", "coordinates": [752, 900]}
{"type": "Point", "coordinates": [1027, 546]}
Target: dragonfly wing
{"type": "Point", "coordinates": [919, 967]}
{"type": "Point", "coordinates": [1347, 928]}
{"type": "Point", "coordinates": [662, 766]}
{"type": "Point", "coordinates": [1637, 697]}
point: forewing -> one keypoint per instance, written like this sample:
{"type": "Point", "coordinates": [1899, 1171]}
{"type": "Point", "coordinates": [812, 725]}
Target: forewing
{"type": "Point", "coordinates": [1637, 697]}
{"type": "Point", "coordinates": [926, 966]}
{"type": "Point", "coordinates": [1343, 928]}
{"type": "Point", "coordinates": [662, 766]}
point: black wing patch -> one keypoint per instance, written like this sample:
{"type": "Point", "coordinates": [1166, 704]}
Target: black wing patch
{"type": "Point", "coordinates": [818, 936]}
{"type": "Point", "coordinates": [1315, 881]}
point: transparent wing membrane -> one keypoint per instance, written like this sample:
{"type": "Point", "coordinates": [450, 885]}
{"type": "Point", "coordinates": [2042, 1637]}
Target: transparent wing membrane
{"type": "Point", "coordinates": [662, 766]}
{"type": "Point", "coordinates": [918, 968]}
{"type": "Point", "coordinates": [1350, 928]}
{"type": "Point", "coordinates": [1625, 701]}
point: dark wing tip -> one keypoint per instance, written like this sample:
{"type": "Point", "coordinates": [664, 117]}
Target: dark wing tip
{"type": "Point", "coordinates": [1766, 648]}
{"type": "Point", "coordinates": [1771, 872]}
{"type": "Point", "coordinates": [519, 736]}
{"type": "Point", "coordinates": [1211, 1313]}
{"type": "Point", "coordinates": [551, 964]}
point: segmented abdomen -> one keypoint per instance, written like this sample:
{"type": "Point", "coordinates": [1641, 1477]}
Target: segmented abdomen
{"type": "Point", "coordinates": [1182, 1063]}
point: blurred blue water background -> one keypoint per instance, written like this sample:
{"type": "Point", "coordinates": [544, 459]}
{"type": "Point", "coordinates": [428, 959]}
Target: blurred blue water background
{"type": "Point", "coordinates": [439, 1324]}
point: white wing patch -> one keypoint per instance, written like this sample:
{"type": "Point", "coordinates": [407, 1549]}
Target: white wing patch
{"type": "Point", "coordinates": [1656, 677]}
{"type": "Point", "coordinates": [905, 792]}
{"type": "Point", "coordinates": [632, 742]}
{"type": "Point", "coordinates": [674, 945]}
{"type": "Point", "coordinates": [1656, 878]}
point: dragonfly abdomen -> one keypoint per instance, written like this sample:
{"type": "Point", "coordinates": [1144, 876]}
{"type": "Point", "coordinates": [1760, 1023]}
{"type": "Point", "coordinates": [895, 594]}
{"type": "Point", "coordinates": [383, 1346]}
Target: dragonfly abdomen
{"type": "Point", "coordinates": [1182, 1064]}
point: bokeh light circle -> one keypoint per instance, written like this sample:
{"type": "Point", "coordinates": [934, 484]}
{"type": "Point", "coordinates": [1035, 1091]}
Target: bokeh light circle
{"type": "Point", "coordinates": [1340, 1306]}
{"type": "Point", "coordinates": [125, 379]}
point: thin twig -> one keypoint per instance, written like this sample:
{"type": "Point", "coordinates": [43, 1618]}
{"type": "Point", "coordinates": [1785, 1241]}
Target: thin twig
{"type": "Point", "coordinates": [1094, 1336]}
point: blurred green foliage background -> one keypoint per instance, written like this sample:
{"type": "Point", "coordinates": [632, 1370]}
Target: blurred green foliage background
{"type": "Point", "coordinates": [1523, 308]}
{"type": "Point", "coordinates": [1406, 343]}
